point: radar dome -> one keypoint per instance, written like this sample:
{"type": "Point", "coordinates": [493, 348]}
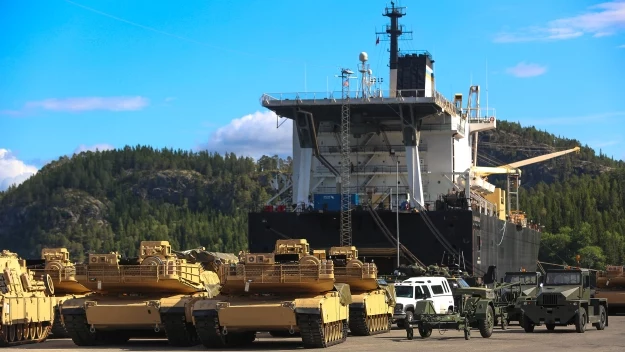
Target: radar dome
{"type": "Point", "coordinates": [363, 56]}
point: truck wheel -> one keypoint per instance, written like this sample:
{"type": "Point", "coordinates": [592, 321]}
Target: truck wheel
{"type": "Point", "coordinates": [580, 320]}
{"type": "Point", "coordinates": [486, 325]}
{"type": "Point", "coordinates": [550, 327]}
{"type": "Point", "coordinates": [602, 318]}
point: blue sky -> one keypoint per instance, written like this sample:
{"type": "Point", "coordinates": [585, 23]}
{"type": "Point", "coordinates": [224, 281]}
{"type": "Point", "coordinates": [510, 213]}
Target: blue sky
{"type": "Point", "coordinates": [82, 74]}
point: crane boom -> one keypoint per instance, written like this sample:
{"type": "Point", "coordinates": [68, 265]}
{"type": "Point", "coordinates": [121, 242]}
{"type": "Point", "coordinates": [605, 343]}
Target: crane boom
{"type": "Point", "coordinates": [513, 168]}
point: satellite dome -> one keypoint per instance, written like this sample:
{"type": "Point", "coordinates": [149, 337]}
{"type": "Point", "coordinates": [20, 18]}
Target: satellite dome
{"type": "Point", "coordinates": [363, 56]}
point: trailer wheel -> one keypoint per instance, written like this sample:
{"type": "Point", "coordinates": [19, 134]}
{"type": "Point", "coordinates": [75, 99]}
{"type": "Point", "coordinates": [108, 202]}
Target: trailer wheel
{"type": "Point", "coordinates": [425, 331]}
{"type": "Point", "coordinates": [486, 324]}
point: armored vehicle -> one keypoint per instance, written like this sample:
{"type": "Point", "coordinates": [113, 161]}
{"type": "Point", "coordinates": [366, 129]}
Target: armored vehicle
{"type": "Point", "coordinates": [55, 263]}
{"type": "Point", "coordinates": [152, 294]}
{"type": "Point", "coordinates": [565, 299]}
{"type": "Point", "coordinates": [518, 287]}
{"type": "Point", "coordinates": [26, 303]}
{"type": "Point", "coordinates": [288, 290]}
{"type": "Point", "coordinates": [373, 300]}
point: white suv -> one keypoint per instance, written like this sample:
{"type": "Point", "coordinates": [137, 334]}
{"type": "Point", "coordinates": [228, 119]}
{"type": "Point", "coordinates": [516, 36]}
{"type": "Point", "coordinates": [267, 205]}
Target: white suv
{"type": "Point", "coordinates": [414, 289]}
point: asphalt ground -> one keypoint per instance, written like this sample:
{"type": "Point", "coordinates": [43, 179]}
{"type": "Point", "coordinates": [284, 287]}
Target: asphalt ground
{"type": "Point", "coordinates": [512, 339]}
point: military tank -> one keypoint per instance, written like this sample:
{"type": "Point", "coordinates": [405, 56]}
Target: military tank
{"type": "Point", "coordinates": [55, 263]}
{"type": "Point", "coordinates": [151, 295]}
{"type": "Point", "coordinates": [611, 286]}
{"type": "Point", "coordinates": [26, 303]}
{"type": "Point", "coordinates": [373, 300]}
{"type": "Point", "coordinates": [288, 290]}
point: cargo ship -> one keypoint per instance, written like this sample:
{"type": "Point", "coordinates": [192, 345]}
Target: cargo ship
{"type": "Point", "coordinates": [372, 166]}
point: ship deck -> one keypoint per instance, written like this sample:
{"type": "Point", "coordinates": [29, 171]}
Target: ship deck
{"type": "Point", "coordinates": [326, 106]}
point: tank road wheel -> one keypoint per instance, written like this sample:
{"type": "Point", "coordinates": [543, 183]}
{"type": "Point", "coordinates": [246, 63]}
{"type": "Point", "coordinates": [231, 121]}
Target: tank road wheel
{"type": "Point", "coordinates": [362, 325]}
{"type": "Point", "coordinates": [179, 332]}
{"type": "Point", "coordinates": [316, 334]}
{"type": "Point", "coordinates": [213, 336]}
{"type": "Point", "coordinates": [602, 318]}
{"type": "Point", "coordinates": [32, 328]}
{"type": "Point", "coordinates": [83, 335]}
{"type": "Point", "coordinates": [486, 325]}
{"type": "Point", "coordinates": [550, 327]}
{"type": "Point", "coordinates": [580, 320]}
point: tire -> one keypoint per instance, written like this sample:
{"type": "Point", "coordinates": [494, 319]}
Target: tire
{"type": "Point", "coordinates": [486, 325]}
{"type": "Point", "coordinates": [425, 331]}
{"type": "Point", "coordinates": [603, 317]}
{"type": "Point", "coordinates": [550, 327]}
{"type": "Point", "coordinates": [580, 320]}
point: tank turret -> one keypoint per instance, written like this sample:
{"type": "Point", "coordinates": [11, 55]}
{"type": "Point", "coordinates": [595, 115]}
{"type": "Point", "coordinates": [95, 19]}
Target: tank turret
{"type": "Point", "coordinates": [287, 292]}
{"type": "Point", "coordinates": [33, 294]}
{"type": "Point", "coordinates": [144, 295]}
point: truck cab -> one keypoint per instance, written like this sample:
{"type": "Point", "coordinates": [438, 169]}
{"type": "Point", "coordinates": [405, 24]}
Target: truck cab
{"type": "Point", "coordinates": [565, 299]}
{"type": "Point", "coordinates": [410, 291]}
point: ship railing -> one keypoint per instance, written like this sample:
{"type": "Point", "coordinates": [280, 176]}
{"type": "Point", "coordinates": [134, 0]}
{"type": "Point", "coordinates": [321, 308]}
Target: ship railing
{"type": "Point", "coordinates": [169, 270]}
{"type": "Point", "coordinates": [481, 115]}
{"type": "Point", "coordinates": [58, 275]}
{"type": "Point", "coordinates": [367, 271]}
{"type": "Point", "coordinates": [281, 273]}
{"type": "Point", "coordinates": [418, 95]}
{"type": "Point", "coordinates": [399, 149]}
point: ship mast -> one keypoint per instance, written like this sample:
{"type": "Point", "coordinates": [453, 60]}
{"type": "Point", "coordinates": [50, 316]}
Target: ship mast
{"type": "Point", "coordinates": [346, 214]}
{"type": "Point", "coordinates": [394, 31]}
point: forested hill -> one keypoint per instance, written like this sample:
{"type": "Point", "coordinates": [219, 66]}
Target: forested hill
{"type": "Point", "coordinates": [108, 201]}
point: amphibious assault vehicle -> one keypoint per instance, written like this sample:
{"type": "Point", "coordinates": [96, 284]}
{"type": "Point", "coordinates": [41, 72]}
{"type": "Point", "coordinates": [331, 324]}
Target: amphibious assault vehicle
{"type": "Point", "coordinates": [373, 300]}
{"type": "Point", "coordinates": [55, 263]}
{"type": "Point", "coordinates": [152, 294]}
{"type": "Point", "coordinates": [565, 298]}
{"type": "Point", "coordinates": [288, 290]}
{"type": "Point", "coordinates": [26, 303]}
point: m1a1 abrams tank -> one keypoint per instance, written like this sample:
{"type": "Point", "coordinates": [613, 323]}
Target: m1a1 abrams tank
{"type": "Point", "coordinates": [373, 301]}
{"type": "Point", "coordinates": [611, 286]}
{"type": "Point", "coordinates": [288, 290]}
{"type": "Point", "coordinates": [55, 263]}
{"type": "Point", "coordinates": [26, 303]}
{"type": "Point", "coordinates": [140, 297]}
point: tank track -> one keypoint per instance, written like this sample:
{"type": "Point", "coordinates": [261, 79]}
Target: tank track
{"type": "Point", "coordinates": [316, 334]}
{"type": "Point", "coordinates": [362, 325]}
{"type": "Point", "coordinates": [58, 329]}
{"type": "Point", "coordinates": [79, 330]}
{"type": "Point", "coordinates": [22, 334]}
{"type": "Point", "coordinates": [212, 335]}
{"type": "Point", "coordinates": [179, 332]}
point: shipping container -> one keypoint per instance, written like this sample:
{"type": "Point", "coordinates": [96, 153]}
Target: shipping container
{"type": "Point", "coordinates": [332, 200]}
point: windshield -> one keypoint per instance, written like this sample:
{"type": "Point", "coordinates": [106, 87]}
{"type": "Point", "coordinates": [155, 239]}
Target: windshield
{"type": "Point", "coordinates": [462, 283]}
{"type": "Point", "coordinates": [404, 291]}
{"type": "Point", "coordinates": [523, 279]}
{"type": "Point", "coordinates": [563, 279]}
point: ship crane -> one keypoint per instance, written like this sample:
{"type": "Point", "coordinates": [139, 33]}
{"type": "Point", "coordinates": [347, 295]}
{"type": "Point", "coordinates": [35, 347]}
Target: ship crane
{"type": "Point", "coordinates": [478, 176]}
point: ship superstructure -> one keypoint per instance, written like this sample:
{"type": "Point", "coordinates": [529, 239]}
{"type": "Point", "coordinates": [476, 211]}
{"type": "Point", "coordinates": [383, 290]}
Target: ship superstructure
{"type": "Point", "coordinates": [410, 150]}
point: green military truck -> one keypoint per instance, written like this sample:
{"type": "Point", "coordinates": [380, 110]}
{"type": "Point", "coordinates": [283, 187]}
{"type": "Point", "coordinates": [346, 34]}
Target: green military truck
{"type": "Point", "coordinates": [525, 285]}
{"type": "Point", "coordinates": [565, 298]}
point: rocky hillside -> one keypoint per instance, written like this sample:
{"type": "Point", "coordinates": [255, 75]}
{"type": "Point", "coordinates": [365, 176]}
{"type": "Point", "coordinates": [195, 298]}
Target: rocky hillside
{"type": "Point", "coordinates": [106, 201]}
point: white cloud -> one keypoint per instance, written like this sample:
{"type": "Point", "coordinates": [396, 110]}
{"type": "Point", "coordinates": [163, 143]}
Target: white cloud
{"type": "Point", "coordinates": [13, 170]}
{"type": "Point", "coordinates": [253, 135]}
{"type": "Point", "coordinates": [91, 103]}
{"type": "Point", "coordinates": [599, 20]}
{"type": "Point", "coordinates": [81, 104]}
{"type": "Point", "coordinates": [524, 70]}
{"type": "Point", "coordinates": [101, 147]}
{"type": "Point", "coordinates": [621, 46]}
